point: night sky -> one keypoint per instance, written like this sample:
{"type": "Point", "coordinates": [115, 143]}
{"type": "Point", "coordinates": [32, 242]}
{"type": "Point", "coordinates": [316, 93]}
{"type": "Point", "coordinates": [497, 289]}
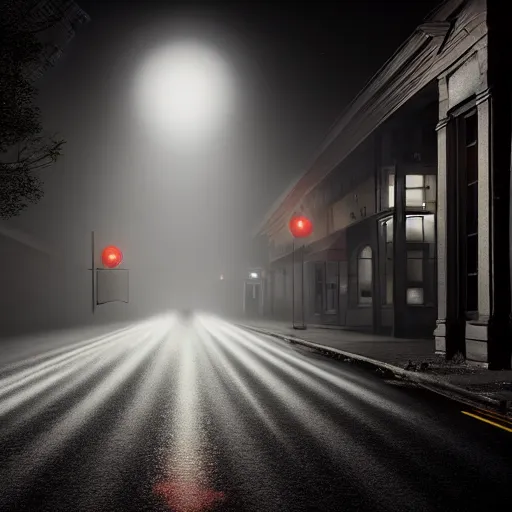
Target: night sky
{"type": "Point", "coordinates": [297, 66]}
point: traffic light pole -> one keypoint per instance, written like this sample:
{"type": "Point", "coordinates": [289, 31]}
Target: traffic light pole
{"type": "Point", "coordinates": [293, 283]}
{"type": "Point", "coordinates": [303, 326]}
{"type": "Point", "coordinates": [302, 286]}
{"type": "Point", "coordinates": [93, 272]}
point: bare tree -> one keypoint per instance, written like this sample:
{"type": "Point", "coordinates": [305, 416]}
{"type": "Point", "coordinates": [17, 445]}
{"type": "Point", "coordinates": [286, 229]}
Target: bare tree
{"type": "Point", "coordinates": [24, 150]}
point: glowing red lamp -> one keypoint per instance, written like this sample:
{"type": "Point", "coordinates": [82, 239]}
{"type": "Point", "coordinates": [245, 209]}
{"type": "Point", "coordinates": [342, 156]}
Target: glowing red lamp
{"type": "Point", "coordinates": [111, 257]}
{"type": "Point", "coordinates": [300, 226]}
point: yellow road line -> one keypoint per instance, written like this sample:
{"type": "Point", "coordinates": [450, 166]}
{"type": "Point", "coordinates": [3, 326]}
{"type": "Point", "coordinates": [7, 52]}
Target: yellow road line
{"type": "Point", "coordinates": [495, 415]}
{"type": "Point", "coordinates": [487, 421]}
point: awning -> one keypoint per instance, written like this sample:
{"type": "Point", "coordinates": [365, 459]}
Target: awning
{"type": "Point", "coordinates": [330, 248]}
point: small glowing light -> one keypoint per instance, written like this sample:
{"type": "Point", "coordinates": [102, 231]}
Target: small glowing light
{"type": "Point", "coordinates": [300, 226]}
{"type": "Point", "coordinates": [222, 277]}
{"type": "Point", "coordinates": [254, 275]}
{"type": "Point", "coordinates": [111, 257]}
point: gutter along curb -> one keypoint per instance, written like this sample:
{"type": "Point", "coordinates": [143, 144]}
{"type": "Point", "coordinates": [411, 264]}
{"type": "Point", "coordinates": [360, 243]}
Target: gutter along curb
{"type": "Point", "coordinates": [435, 384]}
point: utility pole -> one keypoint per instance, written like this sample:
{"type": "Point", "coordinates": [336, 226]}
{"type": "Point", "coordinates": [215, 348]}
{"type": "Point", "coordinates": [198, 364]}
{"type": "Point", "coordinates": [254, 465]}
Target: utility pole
{"type": "Point", "coordinates": [500, 84]}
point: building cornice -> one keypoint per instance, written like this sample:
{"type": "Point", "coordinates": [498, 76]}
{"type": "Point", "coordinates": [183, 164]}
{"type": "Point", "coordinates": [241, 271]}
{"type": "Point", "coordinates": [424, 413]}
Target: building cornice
{"type": "Point", "coordinates": [415, 64]}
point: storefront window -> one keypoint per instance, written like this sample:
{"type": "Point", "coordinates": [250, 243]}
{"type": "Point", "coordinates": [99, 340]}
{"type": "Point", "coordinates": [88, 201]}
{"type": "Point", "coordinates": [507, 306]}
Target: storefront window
{"type": "Point", "coordinates": [420, 228]}
{"type": "Point", "coordinates": [331, 287]}
{"type": "Point", "coordinates": [387, 278]}
{"type": "Point", "coordinates": [419, 191]}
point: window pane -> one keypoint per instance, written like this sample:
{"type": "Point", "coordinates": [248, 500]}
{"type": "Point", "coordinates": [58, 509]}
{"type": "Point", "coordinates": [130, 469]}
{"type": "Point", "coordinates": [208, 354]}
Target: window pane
{"type": "Point", "coordinates": [414, 268]}
{"type": "Point", "coordinates": [332, 273]}
{"type": "Point", "coordinates": [389, 230]}
{"type": "Point", "coordinates": [414, 181]}
{"type": "Point", "coordinates": [366, 253]}
{"type": "Point", "coordinates": [414, 295]}
{"type": "Point", "coordinates": [364, 281]}
{"type": "Point", "coordinates": [415, 197]}
{"type": "Point", "coordinates": [429, 226]}
{"type": "Point", "coordinates": [389, 288]}
{"type": "Point", "coordinates": [331, 297]}
{"type": "Point", "coordinates": [389, 251]}
{"type": "Point", "coordinates": [391, 196]}
{"type": "Point", "coordinates": [414, 229]}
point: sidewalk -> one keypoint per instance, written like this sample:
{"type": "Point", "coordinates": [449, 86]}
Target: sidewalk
{"type": "Point", "coordinates": [413, 359]}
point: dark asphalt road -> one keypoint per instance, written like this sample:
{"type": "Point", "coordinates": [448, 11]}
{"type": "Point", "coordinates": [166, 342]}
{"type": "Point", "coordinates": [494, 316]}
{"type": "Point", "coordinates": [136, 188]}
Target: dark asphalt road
{"type": "Point", "coordinates": [204, 416]}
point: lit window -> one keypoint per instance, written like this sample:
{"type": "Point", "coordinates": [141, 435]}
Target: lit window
{"type": "Point", "coordinates": [429, 228]}
{"type": "Point", "coordinates": [414, 229]}
{"type": "Point", "coordinates": [415, 197]}
{"type": "Point", "coordinates": [415, 191]}
{"type": "Point", "coordinates": [420, 228]}
{"type": "Point", "coordinates": [415, 296]}
{"type": "Point", "coordinates": [391, 191]}
{"type": "Point", "coordinates": [364, 276]}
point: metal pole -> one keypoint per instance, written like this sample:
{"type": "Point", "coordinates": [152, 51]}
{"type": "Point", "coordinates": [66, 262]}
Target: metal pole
{"type": "Point", "coordinates": [93, 273]}
{"type": "Point", "coordinates": [245, 292]}
{"type": "Point", "coordinates": [302, 286]}
{"type": "Point", "coordinates": [293, 282]}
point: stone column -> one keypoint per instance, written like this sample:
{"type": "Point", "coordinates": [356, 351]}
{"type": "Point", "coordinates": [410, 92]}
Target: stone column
{"type": "Point", "coordinates": [441, 217]}
{"type": "Point", "coordinates": [484, 222]}
{"type": "Point", "coordinates": [399, 256]}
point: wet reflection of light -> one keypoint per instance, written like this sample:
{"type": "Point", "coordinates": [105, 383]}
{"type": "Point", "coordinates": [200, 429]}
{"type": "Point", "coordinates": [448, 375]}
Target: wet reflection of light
{"type": "Point", "coordinates": [122, 360]}
{"type": "Point", "coordinates": [249, 394]}
{"type": "Point", "coordinates": [285, 378]}
{"type": "Point", "coordinates": [185, 485]}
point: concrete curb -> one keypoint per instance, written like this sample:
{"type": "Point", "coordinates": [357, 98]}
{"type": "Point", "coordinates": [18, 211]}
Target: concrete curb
{"type": "Point", "coordinates": [426, 381]}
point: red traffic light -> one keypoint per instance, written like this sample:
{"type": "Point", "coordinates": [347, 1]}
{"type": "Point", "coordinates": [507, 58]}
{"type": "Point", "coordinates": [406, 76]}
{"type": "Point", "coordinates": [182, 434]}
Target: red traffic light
{"type": "Point", "coordinates": [111, 257]}
{"type": "Point", "coordinates": [300, 226]}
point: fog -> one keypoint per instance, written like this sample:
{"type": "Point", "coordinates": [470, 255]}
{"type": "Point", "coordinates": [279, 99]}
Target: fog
{"type": "Point", "coordinates": [177, 144]}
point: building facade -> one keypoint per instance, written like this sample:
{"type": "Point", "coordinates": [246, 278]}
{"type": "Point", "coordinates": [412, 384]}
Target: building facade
{"type": "Point", "coordinates": [401, 198]}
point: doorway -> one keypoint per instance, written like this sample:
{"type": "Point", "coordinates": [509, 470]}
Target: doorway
{"type": "Point", "coordinates": [252, 299]}
{"type": "Point", "coordinates": [462, 223]}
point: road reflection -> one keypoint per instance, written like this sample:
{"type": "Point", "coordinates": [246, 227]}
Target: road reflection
{"type": "Point", "coordinates": [183, 496]}
{"type": "Point", "coordinates": [187, 469]}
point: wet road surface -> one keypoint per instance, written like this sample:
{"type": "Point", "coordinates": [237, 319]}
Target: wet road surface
{"type": "Point", "coordinates": [168, 415]}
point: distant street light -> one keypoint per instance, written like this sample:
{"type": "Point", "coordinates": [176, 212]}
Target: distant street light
{"type": "Point", "coordinates": [222, 277]}
{"type": "Point", "coordinates": [254, 275]}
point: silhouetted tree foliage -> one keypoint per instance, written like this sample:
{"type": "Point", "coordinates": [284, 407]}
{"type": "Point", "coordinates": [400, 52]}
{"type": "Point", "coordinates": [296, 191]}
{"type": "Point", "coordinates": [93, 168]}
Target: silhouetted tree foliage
{"type": "Point", "coordinates": [24, 150]}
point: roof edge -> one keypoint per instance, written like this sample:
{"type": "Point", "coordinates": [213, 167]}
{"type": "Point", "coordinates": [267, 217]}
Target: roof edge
{"type": "Point", "coordinates": [439, 13]}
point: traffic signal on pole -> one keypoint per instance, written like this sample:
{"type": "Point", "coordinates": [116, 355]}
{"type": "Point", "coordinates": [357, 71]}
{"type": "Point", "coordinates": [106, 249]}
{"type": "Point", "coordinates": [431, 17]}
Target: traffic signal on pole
{"type": "Point", "coordinates": [300, 226]}
{"type": "Point", "coordinates": [111, 256]}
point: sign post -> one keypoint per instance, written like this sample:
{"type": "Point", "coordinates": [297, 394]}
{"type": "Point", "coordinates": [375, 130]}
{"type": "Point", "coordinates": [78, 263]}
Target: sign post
{"type": "Point", "coordinates": [300, 227]}
{"type": "Point", "coordinates": [109, 284]}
